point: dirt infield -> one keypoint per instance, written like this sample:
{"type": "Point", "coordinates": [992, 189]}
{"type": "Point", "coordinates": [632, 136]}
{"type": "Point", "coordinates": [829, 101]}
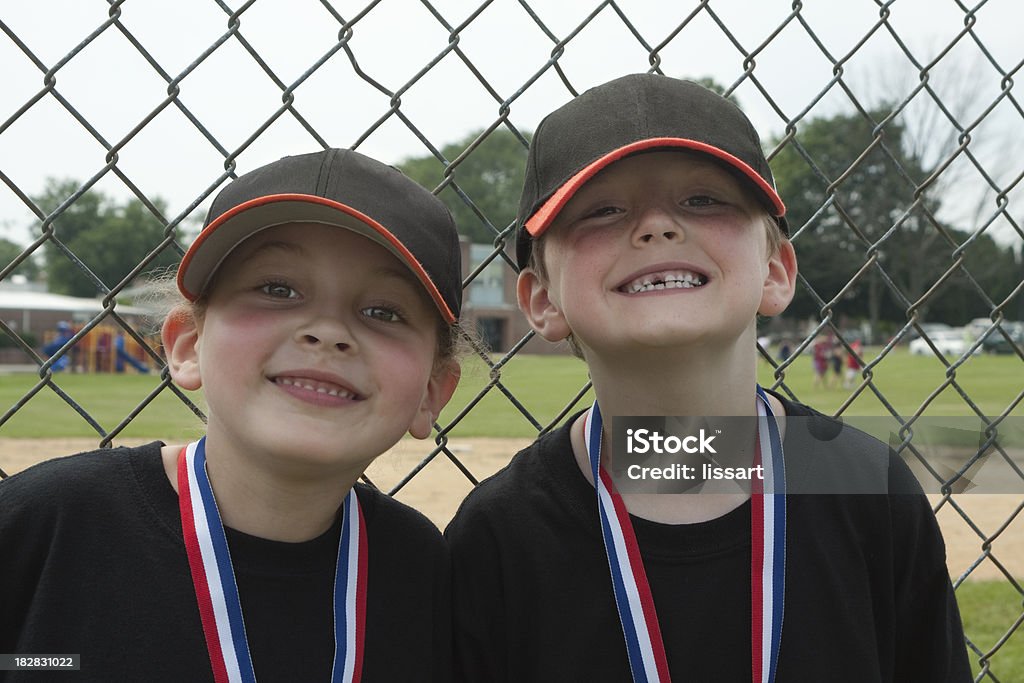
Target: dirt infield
{"type": "Point", "coordinates": [439, 488]}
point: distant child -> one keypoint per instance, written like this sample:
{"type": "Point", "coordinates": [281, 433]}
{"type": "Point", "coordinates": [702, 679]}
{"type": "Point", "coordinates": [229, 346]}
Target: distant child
{"type": "Point", "coordinates": [820, 352]}
{"type": "Point", "coordinates": [852, 363]}
{"type": "Point", "coordinates": [651, 236]}
{"type": "Point", "coordinates": [835, 358]}
{"type": "Point", "coordinates": [322, 298]}
{"type": "Point", "coordinates": [785, 349]}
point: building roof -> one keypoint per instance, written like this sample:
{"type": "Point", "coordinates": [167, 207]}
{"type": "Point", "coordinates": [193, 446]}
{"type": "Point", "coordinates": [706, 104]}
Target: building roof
{"type": "Point", "coordinates": [45, 301]}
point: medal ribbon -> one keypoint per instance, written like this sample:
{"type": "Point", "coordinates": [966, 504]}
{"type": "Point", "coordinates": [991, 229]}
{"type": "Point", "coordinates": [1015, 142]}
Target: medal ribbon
{"type": "Point", "coordinates": [644, 645]}
{"type": "Point", "coordinates": [217, 594]}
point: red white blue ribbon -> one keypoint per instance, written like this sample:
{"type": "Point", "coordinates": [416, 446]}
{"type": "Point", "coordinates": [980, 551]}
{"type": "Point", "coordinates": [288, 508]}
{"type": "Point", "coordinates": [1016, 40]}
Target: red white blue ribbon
{"type": "Point", "coordinates": [644, 646]}
{"type": "Point", "coordinates": [217, 592]}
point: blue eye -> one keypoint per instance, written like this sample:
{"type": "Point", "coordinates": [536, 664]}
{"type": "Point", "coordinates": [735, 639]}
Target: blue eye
{"type": "Point", "coordinates": [278, 290]}
{"type": "Point", "coordinates": [383, 313]}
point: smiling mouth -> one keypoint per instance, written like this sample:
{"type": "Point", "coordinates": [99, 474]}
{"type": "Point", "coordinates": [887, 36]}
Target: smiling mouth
{"type": "Point", "coordinates": [318, 387]}
{"type": "Point", "coordinates": [667, 279]}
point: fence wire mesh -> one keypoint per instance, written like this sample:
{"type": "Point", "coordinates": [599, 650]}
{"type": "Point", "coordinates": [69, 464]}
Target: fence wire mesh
{"type": "Point", "coordinates": [110, 101]}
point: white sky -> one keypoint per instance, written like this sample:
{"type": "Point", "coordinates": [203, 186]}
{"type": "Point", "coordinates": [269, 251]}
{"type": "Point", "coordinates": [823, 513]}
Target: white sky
{"type": "Point", "coordinates": [115, 89]}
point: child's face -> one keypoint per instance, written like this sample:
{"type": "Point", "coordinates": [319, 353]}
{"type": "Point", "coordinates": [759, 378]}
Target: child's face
{"type": "Point", "coordinates": [664, 249]}
{"type": "Point", "coordinates": [316, 345]}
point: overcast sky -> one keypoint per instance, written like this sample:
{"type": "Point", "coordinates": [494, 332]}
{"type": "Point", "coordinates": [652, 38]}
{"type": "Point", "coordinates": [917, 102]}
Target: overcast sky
{"type": "Point", "coordinates": [114, 88]}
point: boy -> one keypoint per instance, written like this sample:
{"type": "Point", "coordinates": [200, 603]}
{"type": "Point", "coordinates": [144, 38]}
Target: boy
{"type": "Point", "coordinates": [321, 300]}
{"type": "Point", "coordinates": [650, 236]}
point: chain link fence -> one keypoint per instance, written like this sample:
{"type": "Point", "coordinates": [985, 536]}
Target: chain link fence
{"type": "Point", "coordinates": [945, 133]}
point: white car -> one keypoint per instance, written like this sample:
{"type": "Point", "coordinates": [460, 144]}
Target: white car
{"type": "Point", "coordinates": [948, 342]}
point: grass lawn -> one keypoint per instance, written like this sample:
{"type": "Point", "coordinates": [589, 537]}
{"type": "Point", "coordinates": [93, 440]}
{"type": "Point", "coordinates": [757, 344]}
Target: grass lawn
{"type": "Point", "coordinates": [989, 609]}
{"type": "Point", "coordinates": [107, 398]}
{"type": "Point", "coordinates": [993, 382]}
{"type": "Point", "coordinates": [543, 385]}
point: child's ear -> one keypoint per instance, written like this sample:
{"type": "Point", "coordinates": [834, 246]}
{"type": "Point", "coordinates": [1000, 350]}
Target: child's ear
{"type": "Point", "coordinates": [780, 282]}
{"type": "Point", "coordinates": [180, 335]}
{"type": "Point", "coordinates": [540, 310]}
{"type": "Point", "coordinates": [440, 388]}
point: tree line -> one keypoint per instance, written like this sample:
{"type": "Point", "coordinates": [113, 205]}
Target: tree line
{"type": "Point", "coordinates": [110, 237]}
{"type": "Point", "coordinates": [857, 193]}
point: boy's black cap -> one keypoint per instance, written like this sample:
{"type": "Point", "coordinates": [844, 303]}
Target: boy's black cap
{"type": "Point", "coordinates": [337, 187]}
{"type": "Point", "coordinates": [631, 114]}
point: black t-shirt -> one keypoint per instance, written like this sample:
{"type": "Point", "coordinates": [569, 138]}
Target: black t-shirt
{"type": "Point", "coordinates": [868, 597]}
{"type": "Point", "coordinates": [92, 562]}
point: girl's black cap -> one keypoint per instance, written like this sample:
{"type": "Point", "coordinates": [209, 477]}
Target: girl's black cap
{"type": "Point", "coordinates": [338, 187]}
{"type": "Point", "coordinates": [629, 115]}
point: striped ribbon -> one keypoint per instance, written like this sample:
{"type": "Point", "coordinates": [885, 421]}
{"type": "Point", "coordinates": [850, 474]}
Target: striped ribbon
{"type": "Point", "coordinates": [217, 593]}
{"type": "Point", "coordinates": [644, 646]}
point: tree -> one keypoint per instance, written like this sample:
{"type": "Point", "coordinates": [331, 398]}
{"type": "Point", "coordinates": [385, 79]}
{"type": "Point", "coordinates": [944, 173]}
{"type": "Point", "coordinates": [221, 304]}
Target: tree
{"type": "Point", "coordinates": [10, 251]}
{"type": "Point", "coordinates": [849, 189]}
{"type": "Point", "coordinates": [993, 269]}
{"type": "Point", "coordinates": [491, 177]}
{"type": "Point", "coordinates": [111, 239]}
{"type": "Point", "coordinates": [859, 191]}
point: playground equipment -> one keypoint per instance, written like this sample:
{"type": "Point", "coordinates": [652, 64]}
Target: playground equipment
{"type": "Point", "coordinates": [104, 348]}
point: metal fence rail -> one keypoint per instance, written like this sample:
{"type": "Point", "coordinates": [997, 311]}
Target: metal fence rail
{"type": "Point", "coordinates": [956, 158]}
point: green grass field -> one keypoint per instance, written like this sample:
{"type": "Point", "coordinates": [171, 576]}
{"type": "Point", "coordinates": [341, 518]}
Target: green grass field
{"type": "Point", "coordinates": [544, 385]}
{"type": "Point", "coordinates": [989, 609]}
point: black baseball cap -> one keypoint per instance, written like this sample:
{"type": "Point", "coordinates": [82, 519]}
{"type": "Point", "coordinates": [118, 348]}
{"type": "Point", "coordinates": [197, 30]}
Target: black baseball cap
{"type": "Point", "coordinates": [629, 115]}
{"type": "Point", "coordinates": [338, 187]}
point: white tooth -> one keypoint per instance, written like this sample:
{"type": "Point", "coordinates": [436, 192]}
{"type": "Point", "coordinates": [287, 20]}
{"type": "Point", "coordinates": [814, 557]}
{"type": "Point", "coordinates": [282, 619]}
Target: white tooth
{"type": "Point", "coordinates": [333, 392]}
{"type": "Point", "coordinates": [321, 390]}
{"type": "Point", "coordinates": [282, 380]}
{"type": "Point", "coordinates": [308, 387]}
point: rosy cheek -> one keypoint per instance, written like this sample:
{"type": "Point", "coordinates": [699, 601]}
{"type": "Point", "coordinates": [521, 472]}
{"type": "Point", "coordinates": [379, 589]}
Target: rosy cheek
{"type": "Point", "coordinates": [228, 335]}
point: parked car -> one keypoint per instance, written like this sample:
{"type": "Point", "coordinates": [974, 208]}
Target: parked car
{"type": "Point", "coordinates": [928, 328]}
{"type": "Point", "coordinates": [995, 342]}
{"type": "Point", "coordinates": [948, 342]}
